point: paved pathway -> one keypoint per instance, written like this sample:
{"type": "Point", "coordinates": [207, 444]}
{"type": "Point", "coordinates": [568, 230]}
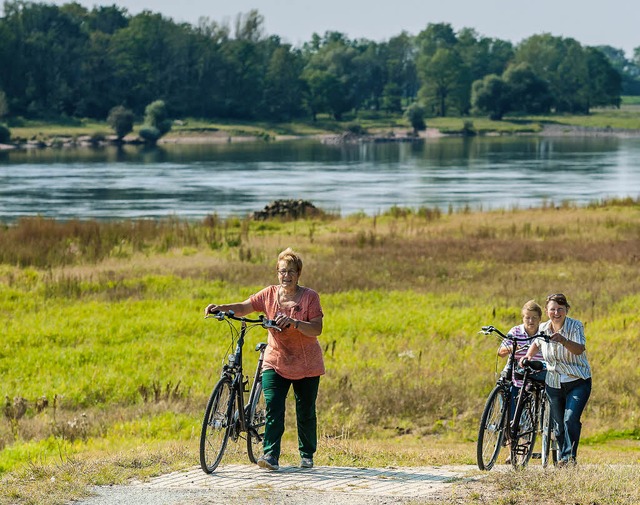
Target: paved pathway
{"type": "Point", "coordinates": [397, 482]}
{"type": "Point", "coordinates": [250, 485]}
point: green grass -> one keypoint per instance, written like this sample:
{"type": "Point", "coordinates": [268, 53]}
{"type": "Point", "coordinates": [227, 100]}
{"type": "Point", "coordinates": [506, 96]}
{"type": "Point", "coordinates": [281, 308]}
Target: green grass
{"type": "Point", "coordinates": [108, 350]}
{"type": "Point", "coordinates": [626, 117]}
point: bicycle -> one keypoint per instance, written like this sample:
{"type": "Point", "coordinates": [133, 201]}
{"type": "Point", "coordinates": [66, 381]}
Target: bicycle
{"type": "Point", "coordinates": [226, 415]}
{"type": "Point", "coordinates": [532, 414]}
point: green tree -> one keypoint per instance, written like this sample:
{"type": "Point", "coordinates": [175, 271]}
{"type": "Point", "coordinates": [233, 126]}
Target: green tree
{"type": "Point", "coordinates": [604, 83]}
{"type": "Point", "coordinates": [121, 121]}
{"type": "Point", "coordinates": [402, 75]}
{"type": "Point", "coordinates": [283, 90]}
{"type": "Point", "coordinates": [43, 47]}
{"type": "Point", "coordinates": [569, 69]}
{"type": "Point", "coordinates": [4, 105]}
{"type": "Point", "coordinates": [392, 97]}
{"type": "Point", "coordinates": [434, 37]}
{"type": "Point", "coordinates": [331, 75]}
{"type": "Point", "coordinates": [153, 58]}
{"type": "Point", "coordinates": [415, 115]}
{"type": "Point", "coordinates": [629, 70]}
{"type": "Point", "coordinates": [491, 95]}
{"type": "Point", "coordinates": [482, 55]}
{"type": "Point", "coordinates": [156, 122]}
{"type": "Point", "coordinates": [446, 85]}
{"type": "Point", "coordinates": [529, 93]}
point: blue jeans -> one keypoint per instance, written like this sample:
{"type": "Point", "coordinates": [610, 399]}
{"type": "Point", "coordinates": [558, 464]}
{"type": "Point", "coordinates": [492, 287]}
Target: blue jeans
{"type": "Point", "coordinates": [567, 404]}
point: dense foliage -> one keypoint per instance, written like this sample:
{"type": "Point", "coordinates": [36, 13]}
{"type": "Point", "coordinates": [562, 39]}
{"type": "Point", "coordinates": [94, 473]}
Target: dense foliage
{"type": "Point", "coordinates": [67, 60]}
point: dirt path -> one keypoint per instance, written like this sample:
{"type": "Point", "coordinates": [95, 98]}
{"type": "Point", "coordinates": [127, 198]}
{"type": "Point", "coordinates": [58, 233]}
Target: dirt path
{"type": "Point", "coordinates": [250, 485]}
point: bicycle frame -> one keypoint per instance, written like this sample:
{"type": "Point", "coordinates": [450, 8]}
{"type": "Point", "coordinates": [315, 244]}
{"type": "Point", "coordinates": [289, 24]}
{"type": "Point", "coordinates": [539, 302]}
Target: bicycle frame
{"type": "Point", "coordinates": [494, 425]}
{"type": "Point", "coordinates": [530, 391]}
{"type": "Point", "coordinates": [235, 372]}
{"type": "Point", "coordinates": [227, 415]}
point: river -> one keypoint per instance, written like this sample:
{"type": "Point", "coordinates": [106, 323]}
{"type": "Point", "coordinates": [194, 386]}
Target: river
{"type": "Point", "coordinates": [192, 181]}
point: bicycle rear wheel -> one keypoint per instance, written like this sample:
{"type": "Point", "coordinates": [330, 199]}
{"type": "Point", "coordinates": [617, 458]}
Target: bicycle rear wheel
{"type": "Point", "coordinates": [524, 438]}
{"type": "Point", "coordinates": [216, 425]}
{"type": "Point", "coordinates": [256, 423]}
{"type": "Point", "coordinates": [492, 426]}
{"type": "Point", "coordinates": [549, 445]}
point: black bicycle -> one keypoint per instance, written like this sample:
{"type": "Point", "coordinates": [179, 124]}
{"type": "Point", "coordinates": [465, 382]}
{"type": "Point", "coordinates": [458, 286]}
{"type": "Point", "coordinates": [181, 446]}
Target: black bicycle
{"type": "Point", "coordinates": [227, 416]}
{"type": "Point", "coordinates": [531, 415]}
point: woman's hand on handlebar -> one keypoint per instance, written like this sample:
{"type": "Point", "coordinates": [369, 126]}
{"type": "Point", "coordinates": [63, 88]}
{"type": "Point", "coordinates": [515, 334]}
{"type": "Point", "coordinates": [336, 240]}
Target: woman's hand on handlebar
{"type": "Point", "coordinates": [283, 321]}
{"type": "Point", "coordinates": [212, 308]}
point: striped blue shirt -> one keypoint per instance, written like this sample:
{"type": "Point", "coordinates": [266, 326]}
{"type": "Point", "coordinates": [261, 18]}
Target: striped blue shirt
{"type": "Point", "coordinates": [561, 362]}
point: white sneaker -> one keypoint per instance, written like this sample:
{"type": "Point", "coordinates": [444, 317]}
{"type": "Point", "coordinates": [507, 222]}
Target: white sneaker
{"type": "Point", "coordinates": [306, 463]}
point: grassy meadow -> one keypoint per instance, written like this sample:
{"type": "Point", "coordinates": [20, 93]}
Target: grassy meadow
{"type": "Point", "coordinates": [106, 360]}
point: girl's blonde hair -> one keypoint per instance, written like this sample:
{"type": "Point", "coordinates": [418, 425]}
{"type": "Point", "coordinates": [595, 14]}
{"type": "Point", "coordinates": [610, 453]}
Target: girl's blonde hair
{"type": "Point", "coordinates": [533, 307]}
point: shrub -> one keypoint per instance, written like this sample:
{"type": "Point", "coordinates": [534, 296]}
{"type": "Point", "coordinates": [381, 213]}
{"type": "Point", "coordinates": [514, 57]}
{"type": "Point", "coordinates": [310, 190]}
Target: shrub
{"type": "Point", "coordinates": [5, 134]}
{"type": "Point", "coordinates": [415, 116]}
{"type": "Point", "coordinates": [150, 134]}
{"type": "Point", "coordinates": [121, 121]}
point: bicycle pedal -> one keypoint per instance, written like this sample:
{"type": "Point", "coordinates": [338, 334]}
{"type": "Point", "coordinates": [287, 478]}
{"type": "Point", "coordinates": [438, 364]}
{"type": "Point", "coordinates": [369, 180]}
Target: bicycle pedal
{"type": "Point", "coordinates": [536, 455]}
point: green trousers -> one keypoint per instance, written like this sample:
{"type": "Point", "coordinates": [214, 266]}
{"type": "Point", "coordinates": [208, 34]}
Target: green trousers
{"type": "Point", "coordinates": [275, 389]}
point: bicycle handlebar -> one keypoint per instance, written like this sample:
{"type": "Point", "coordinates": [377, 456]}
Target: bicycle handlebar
{"type": "Point", "coordinates": [265, 323]}
{"type": "Point", "coordinates": [487, 330]}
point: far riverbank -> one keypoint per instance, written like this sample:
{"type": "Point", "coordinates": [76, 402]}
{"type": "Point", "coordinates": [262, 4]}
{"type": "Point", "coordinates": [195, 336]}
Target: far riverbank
{"type": "Point", "coordinates": [388, 135]}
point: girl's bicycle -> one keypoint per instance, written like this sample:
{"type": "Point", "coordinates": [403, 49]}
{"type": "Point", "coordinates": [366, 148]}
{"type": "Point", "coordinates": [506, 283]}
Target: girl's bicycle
{"type": "Point", "coordinates": [227, 416]}
{"type": "Point", "coordinates": [531, 414]}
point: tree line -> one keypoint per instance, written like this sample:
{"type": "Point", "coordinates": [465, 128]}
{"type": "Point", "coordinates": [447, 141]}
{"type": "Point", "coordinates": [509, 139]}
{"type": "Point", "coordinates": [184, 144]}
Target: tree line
{"type": "Point", "coordinates": [69, 61]}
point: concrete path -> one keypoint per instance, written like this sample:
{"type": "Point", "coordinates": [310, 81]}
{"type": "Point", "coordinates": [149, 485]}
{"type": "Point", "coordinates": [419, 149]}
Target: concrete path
{"type": "Point", "coordinates": [248, 484]}
{"type": "Point", "coordinates": [407, 481]}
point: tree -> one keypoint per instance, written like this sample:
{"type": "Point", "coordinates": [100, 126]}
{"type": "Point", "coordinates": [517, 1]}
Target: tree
{"type": "Point", "coordinates": [415, 115]}
{"type": "Point", "coordinates": [392, 97]}
{"type": "Point", "coordinates": [483, 56]}
{"type": "Point", "coordinates": [283, 90]}
{"type": "Point", "coordinates": [4, 105]}
{"type": "Point", "coordinates": [434, 37]}
{"type": "Point", "coordinates": [121, 121]}
{"type": "Point", "coordinates": [629, 70]}
{"type": "Point", "coordinates": [156, 122]}
{"type": "Point", "coordinates": [569, 69]}
{"type": "Point", "coordinates": [445, 81]}
{"type": "Point", "coordinates": [529, 93]}
{"type": "Point", "coordinates": [402, 77]}
{"type": "Point", "coordinates": [491, 96]}
{"type": "Point", "coordinates": [5, 134]}
{"type": "Point", "coordinates": [331, 75]}
{"type": "Point", "coordinates": [41, 52]}
{"type": "Point", "coordinates": [604, 83]}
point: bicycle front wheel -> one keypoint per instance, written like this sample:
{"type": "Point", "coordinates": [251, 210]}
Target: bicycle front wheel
{"type": "Point", "coordinates": [524, 436]}
{"type": "Point", "coordinates": [492, 425]}
{"type": "Point", "coordinates": [549, 446]}
{"type": "Point", "coordinates": [256, 420]}
{"type": "Point", "coordinates": [216, 425]}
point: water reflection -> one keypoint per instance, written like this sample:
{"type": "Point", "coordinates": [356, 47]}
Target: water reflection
{"type": "Point", "coordinates": [237, 178]}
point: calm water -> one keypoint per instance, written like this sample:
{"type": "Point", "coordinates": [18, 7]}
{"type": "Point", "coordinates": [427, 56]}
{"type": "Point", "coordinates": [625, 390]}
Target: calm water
{"type": "Point", "coordinates": [235, 179]}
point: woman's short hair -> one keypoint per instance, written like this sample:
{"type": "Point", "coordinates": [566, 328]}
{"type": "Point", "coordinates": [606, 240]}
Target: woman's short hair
{"type": "Point", "coordinates": [290, 257]}
{"type": "Point", "coordinates": [533, 307]}
{"type": "Point", "coordinates": [559, 298]}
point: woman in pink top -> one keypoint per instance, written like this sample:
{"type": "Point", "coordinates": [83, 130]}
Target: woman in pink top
{"type": "Point", "coordinates": [293, 356]}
